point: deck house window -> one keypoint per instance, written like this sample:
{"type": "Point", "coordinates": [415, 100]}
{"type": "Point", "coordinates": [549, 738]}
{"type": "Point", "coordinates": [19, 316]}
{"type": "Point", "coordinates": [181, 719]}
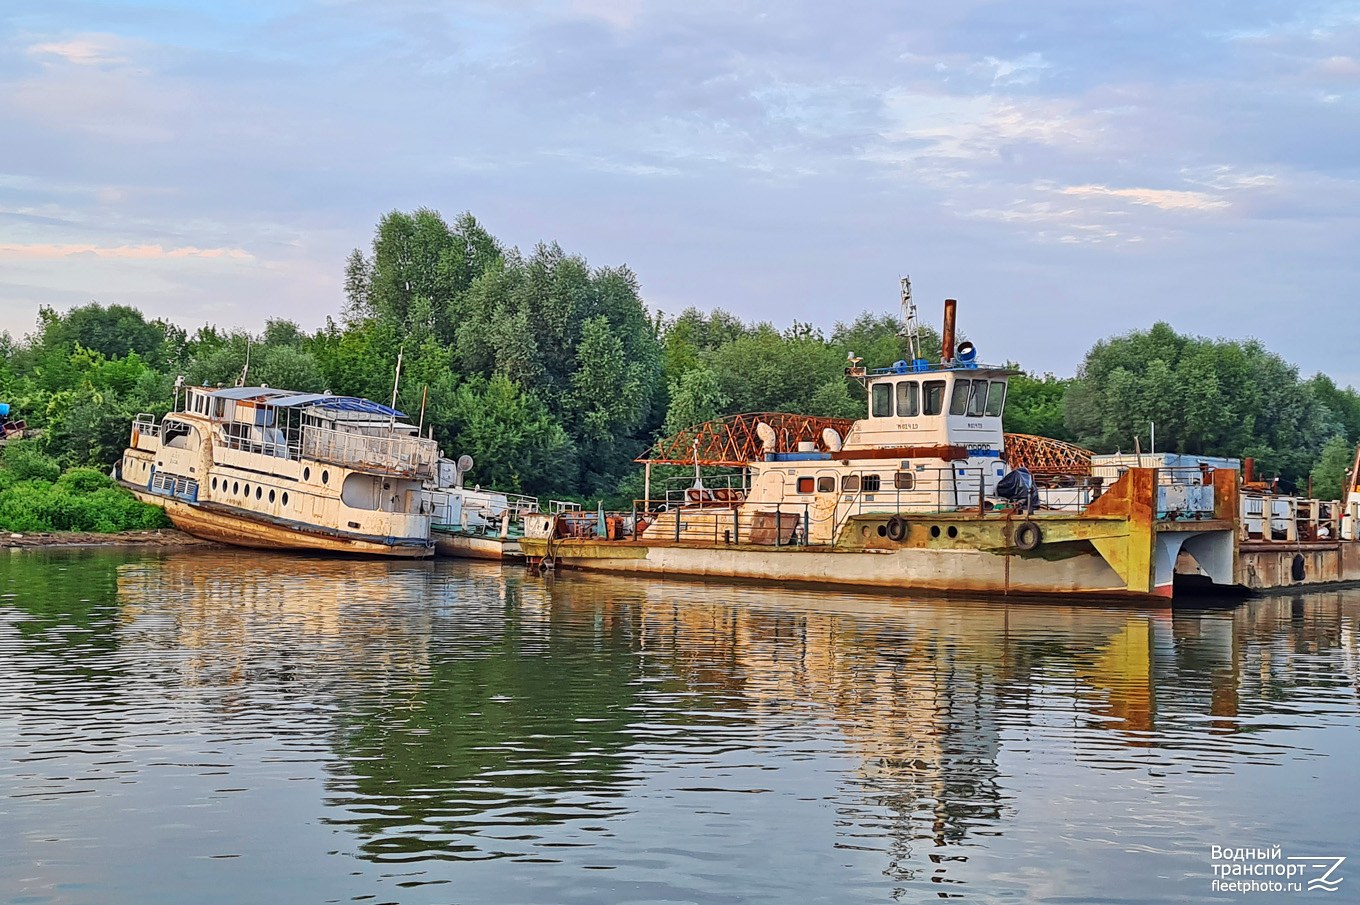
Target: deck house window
{"type": "Point", "coordinates": [908, 399]}
{"type": "Point", "coordinates": [850, 483]}
{"type": "Point", "coordinates": [996, 399]}
{"type": "Point", "coordinates": [958, 400]}
{"type": "Point", "coordinates": [904, 480]}
{"type": "Point", "coordinates": [882, 400]}
{"type": "Point", "coordinates": [870, 483]}
{"type": "Point", "coordinates": [805, 485]}
{"type": "Point", "coordinates": [977, 399]}
{"type": "Point", "coordinates": [933, 401]}
{"type": "Point", "coordinates": [826, 484]}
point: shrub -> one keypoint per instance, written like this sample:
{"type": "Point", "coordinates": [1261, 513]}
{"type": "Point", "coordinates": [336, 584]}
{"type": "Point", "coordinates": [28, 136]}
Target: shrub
{"type": "Point", "coordinates": [25, 461]}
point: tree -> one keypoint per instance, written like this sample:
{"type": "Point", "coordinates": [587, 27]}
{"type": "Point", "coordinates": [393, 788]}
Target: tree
{"type": "Point", "coordinates": [1034, 405]}
{"type": "Point", "coordinates": [1329, 474]}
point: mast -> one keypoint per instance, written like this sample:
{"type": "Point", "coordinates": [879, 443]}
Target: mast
{"type": "Point", "coordinates": [911, 327]}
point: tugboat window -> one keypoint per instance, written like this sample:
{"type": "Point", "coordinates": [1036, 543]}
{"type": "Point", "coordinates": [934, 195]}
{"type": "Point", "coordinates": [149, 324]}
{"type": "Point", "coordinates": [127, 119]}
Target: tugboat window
{"type": "Point", "coordinates": [996, 400]}
{"type": "Point", "coordinates": [271, 496]}
{"type": "Point", "coordinates": [871, 483]}
{"type": "Point", "coordinates": [235, 487]}
{"type": "Point", "coordinates": [958, 402]}
{"type": "Point", "coordinates": [285, 498]}
{"type": "Point", "coordinates": [826, 485]}
{"type": "Point", "coordinates": [325, 477]}
{"type": "Point", "coordinates": [977, 399]}
{"type": "Point", "coordinates": [306, 474]}
{"type": "Point", "coordinates": [932, 402]}
{"type": "Point", "coordinates": [805, 485]}
{"type": "Point", "coordinates": [908, 399]}
{"type": "Point", "coordinates": [904, 480]}
{"type": "Point", "coordinates": [882, 400]}
{"type": "Point", "coordinates": [258, 493]}
{"type": "Point", "coordinates": [850, 482]}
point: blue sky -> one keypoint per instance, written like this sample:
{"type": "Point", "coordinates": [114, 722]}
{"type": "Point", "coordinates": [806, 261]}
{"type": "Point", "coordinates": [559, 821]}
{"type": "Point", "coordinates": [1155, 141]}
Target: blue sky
{"type": "Point", "coordinates": [1067, 170]}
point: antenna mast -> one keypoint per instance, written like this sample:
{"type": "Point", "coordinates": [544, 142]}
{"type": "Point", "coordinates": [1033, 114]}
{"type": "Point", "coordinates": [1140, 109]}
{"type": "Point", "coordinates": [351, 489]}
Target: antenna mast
{"type": "Point", "coordinates": [911, 327]}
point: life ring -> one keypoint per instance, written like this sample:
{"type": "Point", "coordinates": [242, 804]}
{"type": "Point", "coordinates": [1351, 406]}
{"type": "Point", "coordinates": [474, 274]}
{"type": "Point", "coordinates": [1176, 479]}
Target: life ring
{"type": "Point", "coordinates": [897, 527]}
{"type": "Point", "coordinates": [1027, 536]}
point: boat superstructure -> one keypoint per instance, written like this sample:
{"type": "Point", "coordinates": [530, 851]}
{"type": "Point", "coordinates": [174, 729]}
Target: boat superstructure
{"type": "Point", "coordinates": [271, 468]}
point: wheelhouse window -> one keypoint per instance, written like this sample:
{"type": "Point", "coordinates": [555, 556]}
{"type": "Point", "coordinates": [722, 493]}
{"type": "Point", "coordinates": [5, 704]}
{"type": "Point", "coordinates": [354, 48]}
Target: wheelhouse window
{"type": "Point", "coordinates": [805, 485]}
{"type": "Point", "coordinates": [977, 399]}
{"type": "Point", "coordinates": [932, 402]}
{"type": "Point", "coordinates": [826, 484]}
{"type": "Point", "coordinates": [881, 400]}
{"type": "Point", "coordinates": [904, 480]}
{"type": "Point", "coordinates": [958, 400]}
{"type": "Point", "coordinates": [996, 399]}
{"type": "Point", "coordinates": [870, 483]}
{"type": "Point", "coordinates": [908, 399]}
{"type": "Point", "coordinates": [850, 483]}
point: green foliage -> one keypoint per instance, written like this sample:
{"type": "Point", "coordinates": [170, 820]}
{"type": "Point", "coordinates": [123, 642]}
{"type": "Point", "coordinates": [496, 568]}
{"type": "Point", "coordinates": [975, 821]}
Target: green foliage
{"type": "Point", "coordinates": [1034, 405]}
{"type": "Point", "coordinates": [23, 460]}
{"type": "Point", "coordinates": [1211, 397]}
{"type": "Point", "coordinates": [515, 442]}
{"type": "Point", "coordinates": [1329, 474]}
{"type": "Point", "coordinates": [35, 496]}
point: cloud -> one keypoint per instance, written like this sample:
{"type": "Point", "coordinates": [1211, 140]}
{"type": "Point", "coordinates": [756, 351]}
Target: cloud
{"type": "Point", "coordinates": [85, 50]}
{"type": "Point", "coordinates": [1165, 199]}
{"type": "Point", "coordinates": [134, 252]}
{"type": "Point", "coordinates": [1340, 67]}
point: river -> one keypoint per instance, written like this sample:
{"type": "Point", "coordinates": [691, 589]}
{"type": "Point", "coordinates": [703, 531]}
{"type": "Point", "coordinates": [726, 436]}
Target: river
{"type": "Point", "coordinates": [218, 726]}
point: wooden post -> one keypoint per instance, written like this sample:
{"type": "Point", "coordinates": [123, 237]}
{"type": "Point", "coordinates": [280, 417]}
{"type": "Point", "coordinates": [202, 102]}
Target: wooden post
{"type": "Point", "coordinates": [647, 486]}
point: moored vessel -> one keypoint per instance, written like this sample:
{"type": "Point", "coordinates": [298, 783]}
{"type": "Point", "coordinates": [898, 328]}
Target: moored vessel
{"type": "Point", "coordinates": [277, 469]}
{"type": "Point", "coordinates": [922, 493]}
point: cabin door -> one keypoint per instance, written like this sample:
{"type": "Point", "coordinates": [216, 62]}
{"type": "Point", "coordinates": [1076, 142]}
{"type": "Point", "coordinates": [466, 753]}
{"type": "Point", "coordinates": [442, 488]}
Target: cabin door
{"type": "Point", "coordinates": [822, 529]}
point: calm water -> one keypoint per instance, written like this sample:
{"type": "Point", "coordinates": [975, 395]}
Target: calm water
{"type": "Point", "coordinates": [235, 727]}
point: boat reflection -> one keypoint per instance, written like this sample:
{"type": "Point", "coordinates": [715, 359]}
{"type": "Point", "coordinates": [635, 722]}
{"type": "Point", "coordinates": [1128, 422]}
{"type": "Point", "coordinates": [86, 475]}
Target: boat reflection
{"type": "Point", "coordinates": [481, 712]}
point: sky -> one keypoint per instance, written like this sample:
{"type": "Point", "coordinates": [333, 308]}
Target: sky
{"type": "Point", "coordinates": [1067, 170]}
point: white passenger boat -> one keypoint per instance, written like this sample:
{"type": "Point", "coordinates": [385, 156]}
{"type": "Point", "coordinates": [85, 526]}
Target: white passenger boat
{"type": "Point", "coordinates": [276, 469]}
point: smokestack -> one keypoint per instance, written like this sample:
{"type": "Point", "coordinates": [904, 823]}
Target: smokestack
{"type": "Point", "coordinates": [1248, 470]}
{"type": "Point", "coordinates": [947, 337]}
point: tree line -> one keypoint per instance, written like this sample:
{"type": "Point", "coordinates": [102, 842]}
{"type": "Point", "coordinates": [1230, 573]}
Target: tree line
{"type": "Point", "coordinates": [555, 375]}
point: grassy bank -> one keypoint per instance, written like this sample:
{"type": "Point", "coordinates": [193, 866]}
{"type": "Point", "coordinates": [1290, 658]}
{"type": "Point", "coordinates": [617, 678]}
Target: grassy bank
{"type": "Point", "coordinates": [36, 496]}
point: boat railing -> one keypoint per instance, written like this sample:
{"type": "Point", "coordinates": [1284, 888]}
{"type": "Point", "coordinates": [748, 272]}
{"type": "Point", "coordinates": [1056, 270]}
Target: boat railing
{"type": "Point", "coordinates": [407, 456]}
{"type": "Point", "coordinates": [144, 425]}
{"type": "Point", "coordinates": [1268, 518]}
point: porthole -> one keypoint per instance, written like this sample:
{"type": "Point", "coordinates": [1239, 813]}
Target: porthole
{"type": "Point", "coordinates": [235, 487]}
{"type": "Point", "coordinates": [285, 498]}
{"type": "Point", "coordinates": [325, 476]}
{"type": "Point", "coordinates": [271, 496]}
{"type": "Point", "coordinates": [953, 531]}
{"type": "Point", "coordinates": [882, 530]}
{"type": "Point", "coordinates": [934, 530]}
{"type": "Point", "coordinates": [247, 491]}
{"type": "Point", "coordinates": [307, 473]}
{"type": "Point", "coordinates": [214, 483]}
{"type": "Point", "coordinates": [258, 492]}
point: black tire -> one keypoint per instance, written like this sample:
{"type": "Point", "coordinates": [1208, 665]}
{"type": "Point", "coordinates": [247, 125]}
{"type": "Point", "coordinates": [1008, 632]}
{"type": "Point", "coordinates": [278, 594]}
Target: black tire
{"type": "Point", "coordinates": [897, 528]}
{"type": "Point", "coordinates": [1027, 536]}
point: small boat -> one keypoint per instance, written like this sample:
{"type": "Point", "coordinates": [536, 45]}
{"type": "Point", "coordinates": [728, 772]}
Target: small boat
{"type": "Point", "coordinates": [277, 469]}
{"type": "Point", "coordinates": [476, 523]}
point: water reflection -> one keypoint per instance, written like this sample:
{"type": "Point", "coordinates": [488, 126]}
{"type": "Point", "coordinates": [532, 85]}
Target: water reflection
{"type": "Point", "coordinates": [700, 741]}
